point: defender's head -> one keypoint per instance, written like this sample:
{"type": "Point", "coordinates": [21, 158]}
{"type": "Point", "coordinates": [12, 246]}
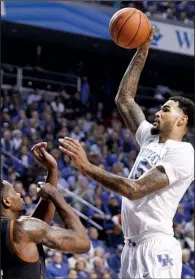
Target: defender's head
{"type": "Point", "coordinates": [176, 115]}
{"type": "Point", "coordinates": [10, 200]}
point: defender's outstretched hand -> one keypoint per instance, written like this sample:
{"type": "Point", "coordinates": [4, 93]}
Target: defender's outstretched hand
{"type": "Point", "coordinates": [42, 156]}
{"type": "Point", "coordinates": [75, 151]}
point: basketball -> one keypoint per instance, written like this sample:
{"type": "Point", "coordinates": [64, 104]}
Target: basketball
{"type": "Point", "coordinates": [129, 28]}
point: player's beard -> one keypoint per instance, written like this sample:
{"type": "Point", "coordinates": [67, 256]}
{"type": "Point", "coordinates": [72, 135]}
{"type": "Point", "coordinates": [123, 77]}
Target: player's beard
{"type": "Point", "coordinates": [165, 129]}
{"type": "Point", "coordinates": [155, 131]}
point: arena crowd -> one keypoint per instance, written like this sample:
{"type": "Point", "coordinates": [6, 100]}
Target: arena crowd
{"type": "Point", "coordinates": [182, 11]}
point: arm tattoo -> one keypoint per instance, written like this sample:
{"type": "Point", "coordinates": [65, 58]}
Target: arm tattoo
{"type": "Point", "coordinates": [152, 181]}
{"type": "Point", "coordinates": [129, 110]}
{"type": "Point", "coordinates": [17, 234]}
{"type": "Point", "coordinates": [131, 114]}
{"type": "Point", "coordinates": [39, 232]}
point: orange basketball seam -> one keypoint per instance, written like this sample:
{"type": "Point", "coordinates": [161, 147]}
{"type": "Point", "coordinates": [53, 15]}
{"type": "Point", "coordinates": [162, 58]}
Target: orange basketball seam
{"type": "Point", "coordinates": [114, 21]}
{"type": "Point", "coordinates": [114, 24]}
{"type": "Point", "coordinates": [136, 31]}
{"type": "Point", "coordinates": [124, 24]}
{"type": "Point", "coordinates": [111, 25]}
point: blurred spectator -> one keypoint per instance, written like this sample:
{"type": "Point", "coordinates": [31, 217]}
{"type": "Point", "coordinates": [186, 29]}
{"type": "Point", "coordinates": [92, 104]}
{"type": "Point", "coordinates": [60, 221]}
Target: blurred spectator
{"type": "Point", "coordinates": [93, 235]}
{"type": "Point", "coordinates": [93, 275]}
{"type": "Point", "coordinates": [28, 203]}
{"type": "Point", "coordinates": [187, 269]}
{"type": "Point", "coordinates": [181, 216]}
{"type": "Point", "coordinates": [6, 141]}
{"type": "Point", "coordinates": [62, 183]}
{"type": "Point", "coordinates": [57, 105]}
{"type": "Point", "coordinates": [85, 91]}
{"type": "Point", "coordinates": [72, 260]}
{"type": "Point", "coordinates": [24, 156]}
{"type": "Point", "coordinates": [19, 188]}
{"type": "Point", "coordinates": [72, 274]}
{"type": "Point", "coordinates": [100, 112]}
{"type": "Point", "coordinates": [87, 124]}
{"type": "Point", "coordinates": [101, 268]}
{"type": "Point", "coordinates": [33, 193]}
{"type": "Point", "coordinates": [57, 268]}
{"type": "Point", "coordinates": [80, 267]}
{"type": "Point", "coordinates": [17, 139]}
{"type": "Point", "coordinates": [190, 239]}
{"type": "Point", "coordinates": [83, 192]}
{"type": "Point", "coordinates": [33, 97]}
{"type": "Point", "coordinates": [115, 260]}
{"type": "Point", "coordinates": [190, 224]}
{"type": "Point", "coordinates": [77, 133]}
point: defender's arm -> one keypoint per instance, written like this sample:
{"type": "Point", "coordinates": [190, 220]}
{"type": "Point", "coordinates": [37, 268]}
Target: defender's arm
{"type": "Point", "coordinates": [39, 232]}
{"type": "Point", "coordinates": [45, 209]}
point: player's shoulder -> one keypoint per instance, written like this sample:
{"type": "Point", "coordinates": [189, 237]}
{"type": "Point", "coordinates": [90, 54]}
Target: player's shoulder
{"type": "Point", "coordinates": [26, 221]}
{"type": "Point", "coordinates": [180, 147]}
{"type": "Point", "coordinates": [180, 144]}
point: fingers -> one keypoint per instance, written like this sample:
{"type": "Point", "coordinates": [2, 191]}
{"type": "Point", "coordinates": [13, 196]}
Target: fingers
{"type": "Point", "coordinates": [70, 145]}
{"type": "Point", "coordinates": [39, 186]}
{"type": "Point", "coordinates": [38, 150]}
{"type": "Point", "coordinates": [153, 30]}
{"type": "Point", "coordinates": [67, 152]}
{"type": "Point", "coordinates": [72, 141]}
{"type": "Point", "coordinates": [39, 145]}
{"type": "Point", "coordinates": [43, 152]}
{"type": "Point", "coordinates": [36, 153]}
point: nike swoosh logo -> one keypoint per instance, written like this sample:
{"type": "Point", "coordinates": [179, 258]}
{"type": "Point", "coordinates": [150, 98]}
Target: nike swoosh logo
{"type": "Point", "coordinates": [146, 274]}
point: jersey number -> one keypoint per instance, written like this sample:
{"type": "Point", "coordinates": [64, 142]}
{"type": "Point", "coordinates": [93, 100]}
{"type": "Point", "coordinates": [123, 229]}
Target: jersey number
{"type": "Point", "coordinates": [142, 167]}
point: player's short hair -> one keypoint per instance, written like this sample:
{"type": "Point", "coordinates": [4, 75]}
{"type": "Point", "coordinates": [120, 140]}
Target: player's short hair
{"type": "Point", "coordinates": [188, 108]}
{"type": "Point", "coordinates": [3, 189]}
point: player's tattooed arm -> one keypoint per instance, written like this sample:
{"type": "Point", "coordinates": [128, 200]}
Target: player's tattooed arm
{"type": "Point", "coordinates": [72, 237]}
{"type": "Point", "coordinates": [36, 231]}
{"type": "Point", "coordinates": [155, 179]}
{"type": "Point", "coordinates": [130, 111]}
{"type": "Point", "coordinates": [128, 108]}
{"type": "Point", "coordinates": [152, 181]}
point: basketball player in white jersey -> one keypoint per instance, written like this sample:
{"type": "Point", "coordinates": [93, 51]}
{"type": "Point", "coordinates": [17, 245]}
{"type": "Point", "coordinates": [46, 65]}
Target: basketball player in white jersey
{"type": "Point", "coordinates": [162, 172]}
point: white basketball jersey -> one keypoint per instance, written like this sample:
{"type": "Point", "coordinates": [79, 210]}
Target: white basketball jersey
{"type": "Point", "coordinates": [155, 211]}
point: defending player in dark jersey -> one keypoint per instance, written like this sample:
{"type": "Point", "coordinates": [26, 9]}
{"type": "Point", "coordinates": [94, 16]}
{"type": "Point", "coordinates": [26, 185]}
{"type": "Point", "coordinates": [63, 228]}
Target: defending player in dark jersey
{"type": "Point", "coordinates": [22, 254]}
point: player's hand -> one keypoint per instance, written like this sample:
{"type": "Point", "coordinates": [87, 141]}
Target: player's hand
{"type": "Point", "coordinates": [75, 151]}
{"type": "Point", "coordinates": [146, 45]}
{"type": "Point", "coordinates": [43, 157]}
{"type": "Point", "coordinates": [45, 190]}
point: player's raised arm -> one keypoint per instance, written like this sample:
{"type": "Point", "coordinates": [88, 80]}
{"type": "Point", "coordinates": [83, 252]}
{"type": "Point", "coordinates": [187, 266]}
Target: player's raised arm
{"type": "Point", "coordinates": [71, 238]}
{"type": "Point", "coordinates": [125, 98]}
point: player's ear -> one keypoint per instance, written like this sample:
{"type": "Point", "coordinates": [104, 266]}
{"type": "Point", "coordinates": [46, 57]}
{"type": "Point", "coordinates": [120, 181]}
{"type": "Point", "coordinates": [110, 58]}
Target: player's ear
{"type": "Point", "coordinates": [183, 120]}
{"type": "Point", "coordinates": [6, 202]}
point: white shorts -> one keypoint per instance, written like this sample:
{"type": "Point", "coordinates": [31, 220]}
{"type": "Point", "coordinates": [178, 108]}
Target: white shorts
{"type": "Point", "coordinates": [151, 256]}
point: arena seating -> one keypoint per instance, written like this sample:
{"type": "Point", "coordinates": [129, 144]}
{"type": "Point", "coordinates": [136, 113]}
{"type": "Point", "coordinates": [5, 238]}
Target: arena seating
{"type": "Point", "coordinates": [182, 11]}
